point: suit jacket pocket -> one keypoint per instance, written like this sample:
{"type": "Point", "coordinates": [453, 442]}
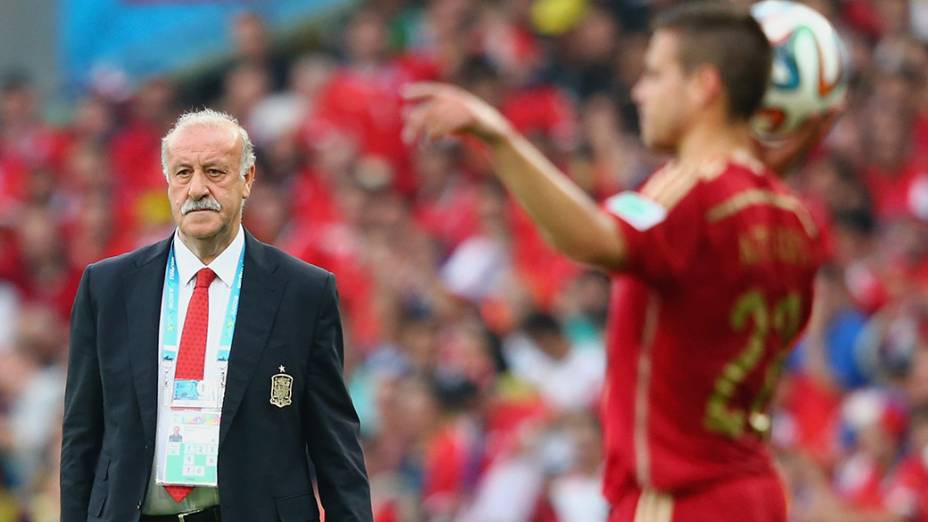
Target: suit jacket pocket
{"type": "Point", "coordinates": [300, 508]}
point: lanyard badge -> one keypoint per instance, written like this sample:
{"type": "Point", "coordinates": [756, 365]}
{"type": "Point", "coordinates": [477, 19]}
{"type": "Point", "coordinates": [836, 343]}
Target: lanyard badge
{"type": "Point", "coordinates": [191, 424]}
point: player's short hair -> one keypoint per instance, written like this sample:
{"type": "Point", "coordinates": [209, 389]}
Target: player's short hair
{"type": "Point", "coordinates": [210, 117]}
{"type": "Point", "coordinates": [731, 40]}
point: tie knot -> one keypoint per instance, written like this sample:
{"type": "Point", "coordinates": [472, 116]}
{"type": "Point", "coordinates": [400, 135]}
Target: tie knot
{"type": "Point", "coordinates": [205, 277]}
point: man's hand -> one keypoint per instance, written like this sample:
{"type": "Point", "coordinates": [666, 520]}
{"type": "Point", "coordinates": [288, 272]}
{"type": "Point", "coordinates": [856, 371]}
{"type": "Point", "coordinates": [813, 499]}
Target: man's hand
{"type": "Point", "coordinates": [783, 155]}
{"type": "Point", "coordinates": [566, 216]}
{"type": "Point", "coordinates": [441, 110]}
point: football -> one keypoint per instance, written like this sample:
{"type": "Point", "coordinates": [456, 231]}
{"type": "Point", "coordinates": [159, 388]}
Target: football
{"type": "Point", "coordinates": [809, 74]}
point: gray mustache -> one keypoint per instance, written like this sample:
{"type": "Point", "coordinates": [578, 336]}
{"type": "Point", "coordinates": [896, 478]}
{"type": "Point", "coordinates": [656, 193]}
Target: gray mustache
{"type": "Point", "coordinates": [206, 203]}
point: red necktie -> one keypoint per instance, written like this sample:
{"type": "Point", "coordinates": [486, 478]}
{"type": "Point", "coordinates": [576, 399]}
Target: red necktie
{"type": "Point", "coordinates": [192, 351]}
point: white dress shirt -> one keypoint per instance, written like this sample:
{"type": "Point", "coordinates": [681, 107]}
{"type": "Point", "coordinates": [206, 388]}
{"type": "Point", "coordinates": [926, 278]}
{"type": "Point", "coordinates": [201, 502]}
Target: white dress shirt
{"type": "Point", "coordinates": [157, 500]}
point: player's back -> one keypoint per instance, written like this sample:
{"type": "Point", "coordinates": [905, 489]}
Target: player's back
{"type": "Point", "coordinates": [718, 284]}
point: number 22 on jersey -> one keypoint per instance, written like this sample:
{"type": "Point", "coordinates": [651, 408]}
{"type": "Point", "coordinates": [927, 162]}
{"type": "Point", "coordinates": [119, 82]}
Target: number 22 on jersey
{"type": "Point", "coordinates": [752, 310]}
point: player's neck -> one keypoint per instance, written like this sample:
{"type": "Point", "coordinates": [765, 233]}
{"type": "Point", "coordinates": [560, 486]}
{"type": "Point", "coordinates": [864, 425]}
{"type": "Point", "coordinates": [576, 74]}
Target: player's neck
{"type": "Point", "coordinates": [710, 141]}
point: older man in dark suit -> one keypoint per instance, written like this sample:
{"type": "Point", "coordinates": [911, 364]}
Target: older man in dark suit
{"type": "Point", "coordinates": [204, 379]}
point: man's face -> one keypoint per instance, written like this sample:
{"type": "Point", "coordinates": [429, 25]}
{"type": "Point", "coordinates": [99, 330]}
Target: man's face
{"type": "Point", "coordinates": [661, 94]}
{"type": "Point", "coordinates": [204, 185]}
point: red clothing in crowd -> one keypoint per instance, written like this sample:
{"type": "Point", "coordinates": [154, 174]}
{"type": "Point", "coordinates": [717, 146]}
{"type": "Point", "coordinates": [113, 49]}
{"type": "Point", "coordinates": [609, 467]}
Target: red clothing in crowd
{"type": "Point", "coordinates": [892, 192]}
{"type": "Point", "coordinates": [450, 216]}
{"type": "Point", "coordinates": [453, 460]}
{"type": "Point", "coordinates": [545, 110]}
{"type": "Point", "coordinates": [36, 146]}
{"type": "Point", "coordinates": [908, 493]}
{"type": "Point", "coordinates": [334, 246]}
{"type": "Point", "coordinates": [13, 174]}
{"type": "Point", "coordinates": [543, 270]}
{"type": "Point", "coordinates": [814, 411]}
{"type": "Point", "coordinates": [859, 481]}
{"type": "Point", "coordinates": [313, 203]}
{"type": "Point", "coordinates": [135, 154]}
{"type": "Point", "coordinates": [365, 104]}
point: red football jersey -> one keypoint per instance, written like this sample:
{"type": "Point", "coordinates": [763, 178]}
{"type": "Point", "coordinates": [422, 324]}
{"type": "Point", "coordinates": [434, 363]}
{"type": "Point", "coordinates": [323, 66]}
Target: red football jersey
{"type": "Point", "coordinates": [717, 285]}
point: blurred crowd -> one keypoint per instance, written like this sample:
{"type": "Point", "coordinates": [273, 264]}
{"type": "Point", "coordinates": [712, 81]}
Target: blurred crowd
{"type": "Point", "coordinates": [474, 353]}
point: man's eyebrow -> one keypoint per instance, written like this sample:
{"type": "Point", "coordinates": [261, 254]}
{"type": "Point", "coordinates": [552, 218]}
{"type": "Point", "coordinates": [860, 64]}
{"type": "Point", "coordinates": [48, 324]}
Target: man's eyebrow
{"type": "Point", "coordinates": [215, 163]}
{"type": "Point", "coordinates": [209, 163]}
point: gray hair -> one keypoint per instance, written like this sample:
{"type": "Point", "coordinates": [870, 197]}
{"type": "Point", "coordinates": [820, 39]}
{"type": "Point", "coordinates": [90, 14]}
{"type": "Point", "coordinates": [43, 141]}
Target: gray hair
{"type": "Point", "coordinates": [210, 117]}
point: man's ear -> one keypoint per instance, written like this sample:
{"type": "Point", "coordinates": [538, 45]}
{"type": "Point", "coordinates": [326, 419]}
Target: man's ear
{"type": "Point", "coordinates": [705, 85]}
{"type": "Point", "coordinates": [249, 179]}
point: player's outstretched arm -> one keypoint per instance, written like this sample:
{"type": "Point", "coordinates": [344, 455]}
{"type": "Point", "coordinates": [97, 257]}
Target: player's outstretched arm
{"type": "Point", "coordinates": [568, 218]}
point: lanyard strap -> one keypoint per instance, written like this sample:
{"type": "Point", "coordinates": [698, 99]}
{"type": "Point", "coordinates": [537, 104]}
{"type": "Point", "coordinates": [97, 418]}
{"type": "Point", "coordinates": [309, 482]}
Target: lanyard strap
{"type": "Point", "coordinates": [171, 298]}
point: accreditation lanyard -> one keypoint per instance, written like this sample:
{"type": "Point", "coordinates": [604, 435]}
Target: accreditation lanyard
{"type": "Point", "coordinates": [194, 393]}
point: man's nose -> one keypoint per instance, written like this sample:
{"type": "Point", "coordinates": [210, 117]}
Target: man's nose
{"type": "Point", "coordinates": [197, 188]}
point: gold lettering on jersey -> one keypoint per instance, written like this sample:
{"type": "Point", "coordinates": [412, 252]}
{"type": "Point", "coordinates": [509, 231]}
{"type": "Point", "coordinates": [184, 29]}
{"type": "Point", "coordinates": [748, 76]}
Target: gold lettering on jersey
{"type": "Point", "coordinates": [762, 244]}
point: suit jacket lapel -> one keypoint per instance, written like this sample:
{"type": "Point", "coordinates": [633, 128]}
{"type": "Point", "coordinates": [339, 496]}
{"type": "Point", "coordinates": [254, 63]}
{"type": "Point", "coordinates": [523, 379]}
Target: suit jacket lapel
{"type": "Point", "coordinates": [257, 307]}
{"type": "Point", "coordinates": [143, 308]}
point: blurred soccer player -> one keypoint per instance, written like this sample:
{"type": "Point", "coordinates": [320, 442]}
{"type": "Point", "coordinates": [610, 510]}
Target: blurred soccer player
{"type": "Point", "coordinates": [713, 261]}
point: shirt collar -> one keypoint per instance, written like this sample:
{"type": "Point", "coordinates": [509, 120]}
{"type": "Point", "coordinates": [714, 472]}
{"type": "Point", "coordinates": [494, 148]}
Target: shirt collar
{"type": "Point", "coordinates": [225, 265]}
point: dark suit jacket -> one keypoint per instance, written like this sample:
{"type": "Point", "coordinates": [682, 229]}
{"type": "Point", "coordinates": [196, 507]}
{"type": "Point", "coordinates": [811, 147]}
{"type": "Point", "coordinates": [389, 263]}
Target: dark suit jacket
{"type": "Point", "coordinates": [288, 315]}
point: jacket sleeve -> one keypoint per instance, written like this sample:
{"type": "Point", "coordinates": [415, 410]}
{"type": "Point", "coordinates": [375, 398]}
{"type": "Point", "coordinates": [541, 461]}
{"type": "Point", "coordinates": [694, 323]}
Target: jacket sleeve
{"type": "Point", "coordinates": [332, 424]}
{"type": "Point", "coordinates": [82, 432]}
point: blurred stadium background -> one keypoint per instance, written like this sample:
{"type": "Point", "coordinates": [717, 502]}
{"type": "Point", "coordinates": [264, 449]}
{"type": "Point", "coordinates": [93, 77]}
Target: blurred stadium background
{"type": "Point", "coordinates": [475, 354]}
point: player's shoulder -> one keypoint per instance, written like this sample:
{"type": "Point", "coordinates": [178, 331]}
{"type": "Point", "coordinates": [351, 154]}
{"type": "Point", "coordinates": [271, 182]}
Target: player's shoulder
{"type": "Point", "coordinates": [748, 182]}
{"type": "Point", "coordinates": [739, 171]}
{"type": "Point", "coordinates": [677, 182]}
{"type": "Point", "coordinates": [711, 191]}
{"type": "Point", "coordinates": [671, 184]}
{"type": "Point", "coordinates": [739, 175]}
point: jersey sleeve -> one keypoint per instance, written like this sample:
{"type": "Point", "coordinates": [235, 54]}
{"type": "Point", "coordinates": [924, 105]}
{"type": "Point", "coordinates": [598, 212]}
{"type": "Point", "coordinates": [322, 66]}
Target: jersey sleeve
{"type": "Point", "coordinates": [661, 237]}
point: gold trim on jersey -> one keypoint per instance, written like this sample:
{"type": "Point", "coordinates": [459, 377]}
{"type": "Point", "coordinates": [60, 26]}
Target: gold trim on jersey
{"type": "Point", "coordinates": [669, 185]}
{"type": "Point", "coordinates": [654, 507]}
{"type": "Point", "coordinates": [660, 179]}
{"type": "Point", "coordinates": [642, 387]}
{"type": "Point", "coordinates": [748, 160]}
{"type": "Point", "coordinates": [751, 197]}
